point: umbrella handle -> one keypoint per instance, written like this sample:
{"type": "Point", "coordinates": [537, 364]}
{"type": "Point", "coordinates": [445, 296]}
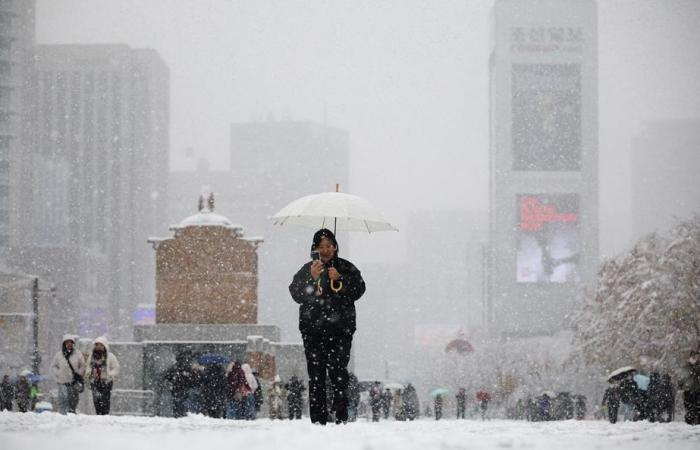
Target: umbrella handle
{"type": "Point", "coordinates": [336, 289]}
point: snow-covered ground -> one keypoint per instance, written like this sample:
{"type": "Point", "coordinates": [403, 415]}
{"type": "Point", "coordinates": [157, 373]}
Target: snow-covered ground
{"type": "Point", "coordinates": [53, 431]}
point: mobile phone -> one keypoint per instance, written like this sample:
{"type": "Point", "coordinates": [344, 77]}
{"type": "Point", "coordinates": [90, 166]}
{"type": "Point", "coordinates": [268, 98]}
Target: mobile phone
{"type": "Point", "coordinates": [315, 255]}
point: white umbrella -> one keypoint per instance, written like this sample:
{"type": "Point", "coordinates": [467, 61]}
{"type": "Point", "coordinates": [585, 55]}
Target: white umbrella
{"type": "Point", "coordinates": [342, 211]}
{"type": "Point", "coordinates": [394, 386]}
{"type": "Point", "coordinates": [617, 373]}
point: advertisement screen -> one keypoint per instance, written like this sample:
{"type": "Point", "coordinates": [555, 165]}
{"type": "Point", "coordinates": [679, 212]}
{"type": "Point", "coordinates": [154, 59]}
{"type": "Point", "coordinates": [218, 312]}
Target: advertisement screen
{"type": "Point", "coordinates": [548, 238]}
{"type": "Point", "coordinates": [546, 116]}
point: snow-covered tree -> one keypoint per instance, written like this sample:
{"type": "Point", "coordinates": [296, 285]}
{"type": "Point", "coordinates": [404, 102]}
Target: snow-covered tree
{"type": "Point", "coordinates": [645, 309]}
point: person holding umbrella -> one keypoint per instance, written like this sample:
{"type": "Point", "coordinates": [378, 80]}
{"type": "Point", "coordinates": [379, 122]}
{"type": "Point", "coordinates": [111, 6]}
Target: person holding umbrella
{"type": "Point", "coordinates": [326, 289]}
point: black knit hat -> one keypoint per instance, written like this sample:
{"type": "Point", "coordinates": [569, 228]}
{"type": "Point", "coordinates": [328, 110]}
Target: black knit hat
{"type": "Point", "coordinates": [324, 233]}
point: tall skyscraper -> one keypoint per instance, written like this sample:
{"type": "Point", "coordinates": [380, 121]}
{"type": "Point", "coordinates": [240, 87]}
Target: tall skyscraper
{"type": "Point", "coordinates": [543, 161]}
{"type": "Point", "coordinates": [96, 179]}
{"type": "Point", "coordinates": [16, 45]}
{"type": "Point", "coordinates": [665, 165]}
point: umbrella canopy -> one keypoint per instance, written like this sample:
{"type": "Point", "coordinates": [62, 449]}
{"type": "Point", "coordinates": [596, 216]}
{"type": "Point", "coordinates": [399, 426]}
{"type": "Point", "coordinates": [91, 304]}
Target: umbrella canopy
{"type": "Point", "coordinates": [211, 358]}
{"type": "Point", "coordinates": [32, 378]}
{"type": "Point", "coordinates": [342, 211]}
{"type": "Point", "coordinates": [483, 395]}
{"type": "Point", "coordinates": [439, 391]}
{"type": "Point", "coordinates": [620, 373]}
{"type": "Point", "coordinates": [394, 386]}
{"type": "Point", "coordinates": [460, 345]}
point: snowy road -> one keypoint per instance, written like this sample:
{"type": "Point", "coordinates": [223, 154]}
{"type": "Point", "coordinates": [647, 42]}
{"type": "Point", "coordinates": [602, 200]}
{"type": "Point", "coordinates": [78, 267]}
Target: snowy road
{"type": "Point", "coordinates": [53, 431]}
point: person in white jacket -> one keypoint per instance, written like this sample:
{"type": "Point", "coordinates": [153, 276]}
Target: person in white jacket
{"type": "Point", "coordinates": [102, 369]}
{"type": "Point", "coordinates": [68, 369]}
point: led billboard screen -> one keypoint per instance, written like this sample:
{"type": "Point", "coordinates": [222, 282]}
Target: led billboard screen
{"type": "Point", "coordinates": [548, 238]}
{"type": "Point", "coordinates": [546, 116]}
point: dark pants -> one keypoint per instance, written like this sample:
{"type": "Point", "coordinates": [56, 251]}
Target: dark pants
{"type": "Point", "coordinates": [294, 407]}
{"type": "Point", "coordinates": [327, 355]}
{"type": "Point", "coordinates": [691, 401]}
{"type": "Point", "coordinates": [460, 411]}
{"type": "Point", "coordinates": [612, 411]}
{"type": "Point", "coordinates": [179, 404]}
{"type": "Point", "coordinates": [101, 398]}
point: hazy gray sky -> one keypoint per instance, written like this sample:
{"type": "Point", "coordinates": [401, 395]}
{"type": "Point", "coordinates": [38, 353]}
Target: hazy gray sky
{"type": "Point", "coordinates": [407, 78]}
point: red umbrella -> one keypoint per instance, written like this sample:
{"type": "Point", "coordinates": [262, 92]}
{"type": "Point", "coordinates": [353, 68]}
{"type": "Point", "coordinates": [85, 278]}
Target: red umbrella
{"type": "Point", "coordinates": [483, 396]}
{"type": "Point", "coordinates": [460, 345]}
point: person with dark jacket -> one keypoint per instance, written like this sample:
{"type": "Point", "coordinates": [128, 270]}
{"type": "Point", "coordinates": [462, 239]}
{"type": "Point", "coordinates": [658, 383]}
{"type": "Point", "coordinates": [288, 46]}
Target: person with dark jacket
{"type": "Point", "coordinates": [668, 399]}
{"type": "Point", "coordinates": [214, 390]}
{"type": "Point", "coordinates": [295, 390]}
{"type": "Point", "coordinates": [181, 377]}
{"type": "Point", "coordinates": [7, 393]}
{"type": "Point", "coordinates": [655, 397]}
{"type": "Point", "coordinates": [376, 400]}
{"type": "Point", "coordinates": [411, 404]}
{"type": "Point", "coordinates": [611, 400]}
{"type": "Point", "coordinates": [326, 290]}
{"type": "Point", "coordinates": [690, 384]}
{"type": "Point", "coordinates": [238, 392]}
{"type": "Point", "coordinates": [23, 392]}
{"type": "Point", "coordinates": [461, 398]}
{"type": "Point", "coordinates": [438, 406]}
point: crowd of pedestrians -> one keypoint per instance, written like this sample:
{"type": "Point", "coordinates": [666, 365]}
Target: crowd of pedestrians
{"type": "Point", "coordinates": [230, 390]}
{"type": "Point", "coordinates": [19, 394]}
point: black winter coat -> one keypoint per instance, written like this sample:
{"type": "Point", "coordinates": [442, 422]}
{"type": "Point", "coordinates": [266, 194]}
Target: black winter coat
{"type": "Point", "coordinates": [331, 312]}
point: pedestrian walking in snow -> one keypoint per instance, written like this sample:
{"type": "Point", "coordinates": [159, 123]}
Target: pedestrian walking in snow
{"type": "Point", "coordinates": [580, 406]}
{"type": "Point", "coordinates": [376, 399]}
{"type": "Point", "coordinates": [437, 403]}
{"type": "Point", "coordinates": [7, 394]}
{"type": "Point", "coordinates": [611, 400]}
{"type": "Point", "coordinates": [386, 403]}
{"type": "Point", "coordinates": [239, 393]}
{"type": "Point", "coordinates": [667, 405]}
{"type": "Point", "coordinates": [690, 385]}
{"type": "Point", "coordinates": [461, 398]}
{"type": "Point", "coordinates": [483, 398]}
{"type": "Point", "coordinates": [411, 405]}
{"type": "Point", "coordinates": [276, 398]}
{"type": "Point", "coordinates": [295, 392]}
{"type": "Point", "coordinates": [68, 368]}
{"type": "Point", "coordinates": [252, 382]}
{"type": "Point", "coordinates": [213, 390]}
{"type": "Point", "coordinates": [326, 289]}
{"type": "Point", "coordinates": [181, 377]}
{"type": "Point", "coordinates": [23, 392]}
{"type": "Point", "coordinates": [102, 369]}
{"type": "Point", "coordinates": [258, 393]}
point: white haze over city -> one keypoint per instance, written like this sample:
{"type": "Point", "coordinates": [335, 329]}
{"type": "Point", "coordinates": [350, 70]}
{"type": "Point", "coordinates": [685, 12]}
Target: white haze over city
{"type": "Point", "coordinates": [409, 81]}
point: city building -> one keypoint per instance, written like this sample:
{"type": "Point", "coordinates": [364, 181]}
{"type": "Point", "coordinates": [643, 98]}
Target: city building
{"type": "Point", "coordinates": [95, 185]}
{"type": "Point", "coordinates": [16, 56]}
{"type": "Point", "coordinates": [543, 162]}
{"type": "Point", "coordinates": [665, 166]}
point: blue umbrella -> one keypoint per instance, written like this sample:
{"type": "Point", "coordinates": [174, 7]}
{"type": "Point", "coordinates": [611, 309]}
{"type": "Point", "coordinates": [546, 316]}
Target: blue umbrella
{"type": "Point", "coordinates": [212, 358]}
{"type": "Point", "coordinates": [439, 391]}
{"type": "Point", "coordinates": [32, 378]}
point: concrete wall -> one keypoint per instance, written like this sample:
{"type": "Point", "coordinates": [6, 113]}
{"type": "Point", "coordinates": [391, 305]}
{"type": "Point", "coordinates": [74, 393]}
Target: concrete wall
{"type": "Point", "coordinates": [204, 332]}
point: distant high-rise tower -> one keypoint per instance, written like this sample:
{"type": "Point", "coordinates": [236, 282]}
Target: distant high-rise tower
{"type": "Point", "coordinates": [97, 175]}
{"type": "Point", "coordinates": [16, 45]}
{"type": "Point", "coordinates": [543, 161]}
{"type": "Point", "coordinates": [665, 164]}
